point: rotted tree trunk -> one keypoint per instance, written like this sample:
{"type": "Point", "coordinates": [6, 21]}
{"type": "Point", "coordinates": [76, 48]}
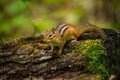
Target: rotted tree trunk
{"type": "Point", "coordinates": [29, 59]}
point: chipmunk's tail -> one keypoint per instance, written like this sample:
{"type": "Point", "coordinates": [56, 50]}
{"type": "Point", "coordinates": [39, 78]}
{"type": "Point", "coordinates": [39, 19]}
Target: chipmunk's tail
{"type": "Point", "coordinates": [92, 28]}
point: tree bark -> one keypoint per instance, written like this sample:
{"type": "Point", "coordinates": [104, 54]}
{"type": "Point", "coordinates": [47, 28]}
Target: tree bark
{"type": "Point", "coordinates": [29, 59]}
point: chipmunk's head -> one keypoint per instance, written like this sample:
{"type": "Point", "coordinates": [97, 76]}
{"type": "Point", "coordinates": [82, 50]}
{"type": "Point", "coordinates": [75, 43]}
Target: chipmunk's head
{"type": "Point", "coordinates": [50, 36]}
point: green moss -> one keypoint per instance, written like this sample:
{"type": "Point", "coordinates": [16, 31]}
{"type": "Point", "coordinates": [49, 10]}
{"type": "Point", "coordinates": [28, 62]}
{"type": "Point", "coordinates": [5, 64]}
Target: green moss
{"type": "Point", "coordinates": [99, 60]}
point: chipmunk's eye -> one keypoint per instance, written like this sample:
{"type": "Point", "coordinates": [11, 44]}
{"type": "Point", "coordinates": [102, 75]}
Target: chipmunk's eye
{"type": "Point", "coordinates": [51, 35]}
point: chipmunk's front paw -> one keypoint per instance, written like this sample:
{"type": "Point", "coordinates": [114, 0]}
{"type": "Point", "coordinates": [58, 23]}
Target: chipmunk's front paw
{"type": "Point", "coordinates": [50, 51]}
{"type": "Point", "coordinates": [74, 41]}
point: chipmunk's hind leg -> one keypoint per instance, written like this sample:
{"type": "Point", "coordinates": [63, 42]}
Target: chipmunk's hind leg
{"type": "Point", "coordinates": [75, 33]}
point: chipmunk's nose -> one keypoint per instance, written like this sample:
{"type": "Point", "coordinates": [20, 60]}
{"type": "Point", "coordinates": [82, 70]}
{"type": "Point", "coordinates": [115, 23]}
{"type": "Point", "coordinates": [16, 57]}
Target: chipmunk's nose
{"type": "Point", "coordinates": [46, 40]}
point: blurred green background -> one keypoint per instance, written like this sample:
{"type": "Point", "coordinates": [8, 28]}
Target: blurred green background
{"type": "Point", "coordinates": [20, 18]}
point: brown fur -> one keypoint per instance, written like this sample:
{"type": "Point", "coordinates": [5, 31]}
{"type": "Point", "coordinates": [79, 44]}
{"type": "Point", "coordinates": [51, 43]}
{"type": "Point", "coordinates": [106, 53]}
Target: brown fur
{"type": "Point", "coordinates": [70, 33]}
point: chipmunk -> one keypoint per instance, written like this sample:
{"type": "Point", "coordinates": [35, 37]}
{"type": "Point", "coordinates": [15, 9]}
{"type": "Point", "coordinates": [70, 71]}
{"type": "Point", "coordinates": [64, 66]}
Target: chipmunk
{"type": "Point", "coordinates": [64, 32]}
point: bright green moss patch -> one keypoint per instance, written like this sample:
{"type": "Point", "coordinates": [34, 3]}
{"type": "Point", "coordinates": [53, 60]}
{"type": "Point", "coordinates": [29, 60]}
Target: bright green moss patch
{"type": "Point", "coordinates": [99, 60]}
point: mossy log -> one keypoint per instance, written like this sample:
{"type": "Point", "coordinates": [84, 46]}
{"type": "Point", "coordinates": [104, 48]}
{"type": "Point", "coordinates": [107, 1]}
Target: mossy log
{"type": "Point", "coordinates": [29, 58]}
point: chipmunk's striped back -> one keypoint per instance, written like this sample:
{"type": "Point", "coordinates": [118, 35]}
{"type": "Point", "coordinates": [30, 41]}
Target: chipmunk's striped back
{"type": "Point", "coordinates": [61, 28]}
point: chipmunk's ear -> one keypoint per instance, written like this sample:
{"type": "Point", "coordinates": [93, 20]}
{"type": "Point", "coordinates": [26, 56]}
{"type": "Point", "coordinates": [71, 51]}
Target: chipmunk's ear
{"type": "Point", "coordinates": [53, 30]}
